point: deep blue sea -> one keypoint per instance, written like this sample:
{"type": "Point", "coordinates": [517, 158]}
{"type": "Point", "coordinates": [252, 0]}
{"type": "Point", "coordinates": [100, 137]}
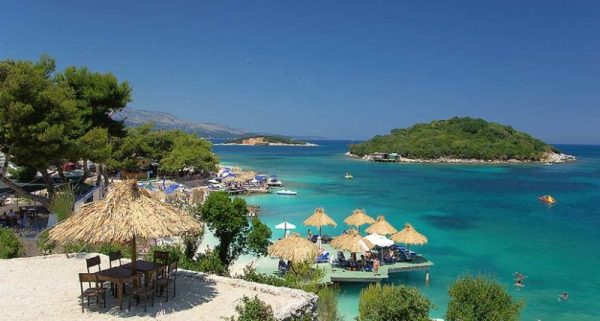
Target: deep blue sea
{"type": "Point", "coordinates": [478, 218]}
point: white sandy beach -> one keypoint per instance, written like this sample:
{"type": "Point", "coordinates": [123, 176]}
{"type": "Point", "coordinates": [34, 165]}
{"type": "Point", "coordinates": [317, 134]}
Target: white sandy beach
{"type": "Point", "coordinates": [47, 288]}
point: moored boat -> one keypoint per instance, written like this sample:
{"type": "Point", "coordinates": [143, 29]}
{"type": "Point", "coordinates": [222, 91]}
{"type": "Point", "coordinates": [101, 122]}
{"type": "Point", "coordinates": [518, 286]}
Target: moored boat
{"type": "Point", "coordinates": [547, 199]}
{"type": "Point", "coordinates": [286, 192]}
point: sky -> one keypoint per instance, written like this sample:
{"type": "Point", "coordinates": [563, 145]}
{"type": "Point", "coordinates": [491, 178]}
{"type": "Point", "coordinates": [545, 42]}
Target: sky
{"type": "Point", "coordinates": [335, 69]}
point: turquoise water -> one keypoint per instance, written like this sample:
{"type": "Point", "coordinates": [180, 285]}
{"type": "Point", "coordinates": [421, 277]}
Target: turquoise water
{"type": "Point", "coordinates": [477, 218]}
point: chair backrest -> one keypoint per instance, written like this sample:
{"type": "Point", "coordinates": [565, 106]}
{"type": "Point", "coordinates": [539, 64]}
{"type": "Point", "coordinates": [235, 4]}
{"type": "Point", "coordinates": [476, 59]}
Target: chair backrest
{"type": "Point", "coordinates": [93, 261]}
{"type": "Point", "coordinates": [173, 268]}
{"type": "Point", "coordinates": [161, 257]}
{"type": "Point", "coordinates": [151, 278]}
{"type": "Point", "coordinates": [88, 278]}
{"type": "Point", "coordinates": [114, 256]}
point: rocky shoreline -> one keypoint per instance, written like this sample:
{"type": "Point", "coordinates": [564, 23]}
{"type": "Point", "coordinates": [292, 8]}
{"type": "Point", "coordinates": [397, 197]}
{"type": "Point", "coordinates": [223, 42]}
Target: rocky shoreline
{"type": "Point", "coordinates": [269, 144]}
{"type": "Point", "coordinates": [549, 158]}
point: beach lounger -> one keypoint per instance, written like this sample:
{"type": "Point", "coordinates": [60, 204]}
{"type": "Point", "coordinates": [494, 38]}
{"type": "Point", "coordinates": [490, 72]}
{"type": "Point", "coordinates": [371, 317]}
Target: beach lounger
{"type": "Point", "coordinates": [323, 258]}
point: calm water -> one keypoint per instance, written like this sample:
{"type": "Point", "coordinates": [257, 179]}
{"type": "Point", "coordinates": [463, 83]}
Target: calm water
{"type": "Point", "coordinates": [477, 218]}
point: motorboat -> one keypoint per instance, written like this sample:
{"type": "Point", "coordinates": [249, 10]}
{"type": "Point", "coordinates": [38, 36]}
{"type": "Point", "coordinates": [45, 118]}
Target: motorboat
{"type": "Point", "coordinates": [547, 199]}
{"type": "Point", "coordinates": [348, 176]}
{"type": "Point", "coordinates": [274, 181]}
{"type": "Point", "coordinates": [286, 192]}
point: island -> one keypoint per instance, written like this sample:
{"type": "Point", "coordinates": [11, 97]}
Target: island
{"type": "Point", "coordinates": [266, 141]}
{"type": "Point", "coordinates": [458, 140]}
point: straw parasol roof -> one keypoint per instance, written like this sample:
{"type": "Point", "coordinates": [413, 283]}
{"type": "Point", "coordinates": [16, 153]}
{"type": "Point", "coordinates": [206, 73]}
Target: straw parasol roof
{"type": "Point", "coordinates": [294, 248]}
{"type": "Point", "coordinates": [358, 218]}
{"type": "Point", "coordinates": [319, 219]}
{"type": "Point", "coordinates": [381, 227]}
{"type": "Point", "coordinates": [409, 235]}
{"type": "Point", "coordinates": [127, 213]}
{"type": "Point", "coordinates": [351, 241]}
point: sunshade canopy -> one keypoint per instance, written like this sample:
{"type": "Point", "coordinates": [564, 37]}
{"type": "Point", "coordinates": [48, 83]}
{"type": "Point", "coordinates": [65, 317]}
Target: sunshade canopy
{"type": "Point", "coordinates": [358, 218]}
{"type": "Point", "coordinates": [319, 218]}
{"type": "Point", "coordinates": [381, 226]}
{"type": "Point", "coordinates": [294, 248]}
{"type": "Point", "coordinates": [351, 241]}
{"type": "Point", "coordinates": [285, 225]}
{"type": "Point", "coordinates": [379, 240]}
{"type": "Point", "coordinates": [408, 235]}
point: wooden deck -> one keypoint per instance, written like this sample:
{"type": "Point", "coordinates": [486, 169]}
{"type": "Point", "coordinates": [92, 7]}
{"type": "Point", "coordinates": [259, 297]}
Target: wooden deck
{"type": "Point", "coordinates": [334, 273]}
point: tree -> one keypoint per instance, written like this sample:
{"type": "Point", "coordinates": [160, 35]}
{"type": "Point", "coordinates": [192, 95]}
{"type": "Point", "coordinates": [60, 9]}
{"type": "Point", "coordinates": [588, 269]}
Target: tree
{"type": "Point", "coordinates": [481, 299]}
{"type": "Point", "coordinates": [258, 238]}
{"type": "Point", "coordinates": [37, 118]}
{"type": "Point", "coordinates": [189, 151]}
{"type": "Point", "coordinates": [228, 219]}
{"type": "Point", "coordinates": [253, 309]}
{"type": "Point", "coordinates": [390, 302]}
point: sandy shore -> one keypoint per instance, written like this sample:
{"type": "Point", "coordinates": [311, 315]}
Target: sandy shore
{"type": "Point", "coordinates": [47, 288]}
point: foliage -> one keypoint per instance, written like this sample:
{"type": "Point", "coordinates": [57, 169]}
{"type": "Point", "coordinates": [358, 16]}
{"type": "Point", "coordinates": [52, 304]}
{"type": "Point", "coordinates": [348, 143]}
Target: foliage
{"type": "Point", "coordinates": [62, 203]}
{"type": "Point", "coordinates": [253, 309]}
{"type": "Point", "coordinates": [23, 174]}
{"type": "Point", "coordinates": [43, 243]}
{"type": "Point", "coordinates": [481, 298]}
{"type": "Point", "coordinates": [390, 302]}
{"type": "Point", "coordinates": [228, 220]}
{"type": "Point", "coordinates": [268, 139]}
{"type": "Point", "coordinates": [10, 244]}
{"type": "Point", "coordinates": [464, 138]}
{"type": "Point", "coordinates": [175, 252]}
{"type": "Point", "coordinates": [327, 304]}
{"type": "Point", "coordinates": [258, 238]}
{"type": "Point", "coordinates": [108, 248]}
{"type": "Point", "coordinates": [173, 149]}
{"type": "Point", "coordinates": [208, 262]}
{"type": "Point", "coordinates": [77, 247]}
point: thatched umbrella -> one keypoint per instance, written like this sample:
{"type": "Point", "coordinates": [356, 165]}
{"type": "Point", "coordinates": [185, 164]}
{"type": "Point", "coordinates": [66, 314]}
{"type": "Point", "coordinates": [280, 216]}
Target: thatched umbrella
{"type": "Point", "coordinates": [126, 214]}
{"type": "Point", "coordinates": [351, 241]}
{"type": "Point", "coordinates": [409, 235]}
{"type": "Point", "coordinates": [319, 219]}
{"type": "Point", "coordinates": [294, 248]}
{"type": "Point", "coordinates": [358, 218]}
{"type": "Point", "coordinates": [381, 227]}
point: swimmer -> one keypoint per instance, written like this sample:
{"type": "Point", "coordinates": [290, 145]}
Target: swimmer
{"type": "Point", "coordinates": [519, 283]}
{"type": "Point", "coordinates": [563, 297]}
{"type": "Point", "coordinates": [519, 276]}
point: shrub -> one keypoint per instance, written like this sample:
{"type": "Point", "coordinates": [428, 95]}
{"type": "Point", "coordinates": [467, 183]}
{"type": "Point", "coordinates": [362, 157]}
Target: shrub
{"type": "Point", "coordinates": [108, 248]}
{"type": "Point", "coordinates": [253, 309]}
{"type": "Point", "coordinates": [175, 252]}
{"type": "Point", "coordinates": [481, 298]}
{"type": "Point", "coordinates": [62, 203]}
{"type": "Point", "coordinates": [327, 304]}
{"type": "Point", "coordinates": [10, 244]}
{"type": "Point", "coordinates": [208, 262]}
{"type": "Point", "coordinates": [76, 247]}
{"type": "Point", "coordinates": [390, 302]}
{"type": "Point", "coordinates": [43, 244]}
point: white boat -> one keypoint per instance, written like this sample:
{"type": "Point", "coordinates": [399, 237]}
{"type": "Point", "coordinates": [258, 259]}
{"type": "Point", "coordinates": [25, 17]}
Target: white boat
{"type": "Point", "coordinates": [286, 192]}
{"type": "Point", "coordinates": [348, 176]}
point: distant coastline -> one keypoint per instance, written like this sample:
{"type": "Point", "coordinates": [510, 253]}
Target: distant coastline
{"type": "Point", "coordinates": [549, 158]}
{"type": "Point", "coordinates": [266, 141]}
{"type": "Point", "coordinates": [268, 144]}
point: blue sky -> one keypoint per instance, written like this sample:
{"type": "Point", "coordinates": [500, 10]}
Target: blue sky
{"type": "Point", "coordinates": [338, 69]}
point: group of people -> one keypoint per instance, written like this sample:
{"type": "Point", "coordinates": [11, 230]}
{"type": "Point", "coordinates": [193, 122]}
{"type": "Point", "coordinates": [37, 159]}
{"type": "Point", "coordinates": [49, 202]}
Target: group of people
{"type": "Point", "coordinates": [519, 283]}
{"type": "Point", "coordinates": [14, 219]}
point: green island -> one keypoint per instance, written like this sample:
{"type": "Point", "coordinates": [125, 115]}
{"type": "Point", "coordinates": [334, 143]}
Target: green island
{"type": "Point", "coordinates": [266, 140]}
{"type": "Point", "coordinates": [457, 140]}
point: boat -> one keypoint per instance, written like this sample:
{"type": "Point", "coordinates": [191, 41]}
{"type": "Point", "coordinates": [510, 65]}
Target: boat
{"type": "Point", "coordinates": [274, 181]}
{"type": "Point", "coordinates": [286, 192]}
{"type": "Point", "coordinates": [348, 176]}
{"type": "Point", "coordinates": [547, 199]}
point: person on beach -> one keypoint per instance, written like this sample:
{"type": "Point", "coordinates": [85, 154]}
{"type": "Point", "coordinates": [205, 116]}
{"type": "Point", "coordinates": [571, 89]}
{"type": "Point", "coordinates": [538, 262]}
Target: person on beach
{"type": "Point", "coordinates": [375, 266]}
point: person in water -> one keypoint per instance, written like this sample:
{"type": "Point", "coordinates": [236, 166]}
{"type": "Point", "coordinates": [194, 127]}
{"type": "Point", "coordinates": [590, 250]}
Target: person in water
{"type": "Point", "coordinates": [519, 283]}
{"type": "Point", "coordinates": [563, 297]}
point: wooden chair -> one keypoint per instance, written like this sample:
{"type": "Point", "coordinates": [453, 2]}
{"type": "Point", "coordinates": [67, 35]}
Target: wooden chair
{"type": "Point", "coordinates": [161, 257]}
{"type": "Point", "coordinates": [145, 291]}
{"type": "Point", "coordinates": [92, 262]}
{"type": "Point", "coordinates": [96, 291]}
{"type": "Point", "coordinates": [114, 256]}
{"type": "Point", "coordinates": [169, 278]}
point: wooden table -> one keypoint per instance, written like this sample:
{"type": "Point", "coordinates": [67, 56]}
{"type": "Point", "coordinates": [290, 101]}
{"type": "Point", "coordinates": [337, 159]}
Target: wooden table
{"type": "Point", "coordinates": [119, 276]}
{"type": "Point", "coordinates": [143, 266]}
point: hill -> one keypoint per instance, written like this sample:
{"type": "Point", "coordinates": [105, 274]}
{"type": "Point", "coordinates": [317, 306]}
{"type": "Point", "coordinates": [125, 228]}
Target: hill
{"type": "Point", "coordinates": [457, 139]}
{"type": "Point", "coordinates": [266, 140]}
{"type": "Point", "coordinates": [163, 120]}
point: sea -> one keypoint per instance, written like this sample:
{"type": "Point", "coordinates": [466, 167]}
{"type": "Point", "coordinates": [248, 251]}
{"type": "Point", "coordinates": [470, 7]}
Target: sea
{"type": "Point", "coordinates": [479, 219]}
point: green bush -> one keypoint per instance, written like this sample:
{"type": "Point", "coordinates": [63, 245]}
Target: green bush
{"type": "Point", "coordinates": [327, 304]}
{"type": "Point", "coordinates": [208, 262]}
{"type": "Point", "coordinates": [62, 202]}
{"type": "Point", "coordinates": [390, 302]}
{"type": "Point", "coordinates": [481, 298]}
{"type": "Point", "coordinates": [76, 247]}
{"type": "Point", "coordinates": [43, 244]}
{"type": "Point", "coordinates": [253, 309]}
{"type": "Point", "coordinates": [108, 248]}
{"type": "Point", "coordinates": [10, 244]}
{"type": "Point", "coordinates": [175, 252]}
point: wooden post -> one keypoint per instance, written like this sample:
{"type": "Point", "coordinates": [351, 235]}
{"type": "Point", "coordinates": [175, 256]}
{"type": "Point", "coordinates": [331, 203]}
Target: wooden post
{"type": "Point", "coordinates": [133, 254]}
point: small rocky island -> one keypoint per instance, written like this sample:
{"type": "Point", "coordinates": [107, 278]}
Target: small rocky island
{"type": "Point", "coordinates": [458, 140]}
{"type": "Point", "coordinates": [266, 141]}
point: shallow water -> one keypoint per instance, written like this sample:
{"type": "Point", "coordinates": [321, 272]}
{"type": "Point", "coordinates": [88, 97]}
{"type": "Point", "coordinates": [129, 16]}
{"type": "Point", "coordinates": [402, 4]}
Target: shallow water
{"type": "Point", "coordinates": [478, 218]}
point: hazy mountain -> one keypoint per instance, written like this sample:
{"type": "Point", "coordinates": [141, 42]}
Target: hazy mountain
{"type": "Point", "coordinates": [163, 120]}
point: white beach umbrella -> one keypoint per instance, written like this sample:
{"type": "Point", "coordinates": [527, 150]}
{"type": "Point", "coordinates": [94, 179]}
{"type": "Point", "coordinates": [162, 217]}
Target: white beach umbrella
{"type": "Point", "coordinates": [285, 226]}
{"type": "Point", "coordinates": [379, 240]}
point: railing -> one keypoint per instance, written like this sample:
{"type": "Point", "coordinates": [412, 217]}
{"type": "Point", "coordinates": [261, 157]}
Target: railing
{"type": "Point", "coordinates": [83, 198]}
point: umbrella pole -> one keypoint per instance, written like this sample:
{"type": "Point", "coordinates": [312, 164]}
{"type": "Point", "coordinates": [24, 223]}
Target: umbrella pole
{"type": "Point", "coordinates": [133, 254]}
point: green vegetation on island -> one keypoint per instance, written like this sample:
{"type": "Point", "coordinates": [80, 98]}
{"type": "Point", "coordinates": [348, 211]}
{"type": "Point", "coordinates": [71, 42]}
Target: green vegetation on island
{"type": "Point", "coordinates": [265, 140]}
{"type": "Point", "coordinates": [457, 138]}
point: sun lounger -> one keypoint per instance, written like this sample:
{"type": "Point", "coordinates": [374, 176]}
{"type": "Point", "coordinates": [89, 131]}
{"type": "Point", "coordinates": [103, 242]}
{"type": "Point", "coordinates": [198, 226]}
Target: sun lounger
{"type": "Point", "coordinates": [323, 258]}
